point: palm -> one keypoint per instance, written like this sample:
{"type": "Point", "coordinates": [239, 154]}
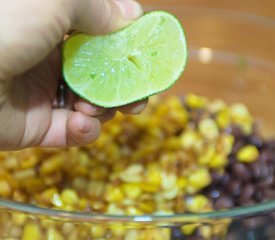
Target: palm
{"type": "Point", "coordinates": [32, 103]}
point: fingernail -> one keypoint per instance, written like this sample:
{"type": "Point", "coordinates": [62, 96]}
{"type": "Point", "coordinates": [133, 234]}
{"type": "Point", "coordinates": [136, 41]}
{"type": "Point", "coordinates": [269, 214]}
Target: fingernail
{"type": "Point", "coordinates": [85, 126]}
{"type": "Point", "coordinates": [130, 9]}
{"type": "Point", "coordinates": [138, 108]}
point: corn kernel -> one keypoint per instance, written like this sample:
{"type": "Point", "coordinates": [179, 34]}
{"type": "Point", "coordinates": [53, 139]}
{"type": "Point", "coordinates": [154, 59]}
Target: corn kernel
{"type": "Point", "coordinates": [118, 230]}
{"type": "Point", "coordinates": [31, 231]}
{"type": "Point", "coordinates": [207, 155]}
{"type": "Point", "coordinates": [146, 206]}
{"type": "Point", "coordinates": [216, 106]}
{"type": "Point", "coordinates": [248, 154]}
{"type": "Point", "coordinates": [19, 219]}
{"type": "Point", "coordinates": [29, 161]}
{"type": "Point", "coordinates": [189, 229]}
{"type": "Point", "coordinates": [182, 183]}
{"type": "Point", "coordinates": [189, 139]}
{"type": "Point", "coordinates": [132, 190]}
{"type": "Point", "coordinates": [223, 118]}
{"type": "Point", "coordinates": [226, 144]}
{"type": "Point", "coordinates": [198, 203]}
{"type": "Point", "coordinates": [53, 234]}
{"type": "Point", "coordinates": [5, 188]}
{"type": "Point", "coordinates": [218, 160]}
{"type": "Point", "coordinates": [114, 210]}
{"type": "Point", "coordinates": [195, 101]}
{"type": "Point", "coordinates": [114, 194]}
{"type": "Point", "coordinates": [199, 178]}
{"type": "Point", "coordinates": [69, 196]}
{"type": "Point", "coordinates": [169, 181]}
{"type": "Point", "coordinates": [51, 165]}
{"type": "Point", "coordinates": [98, 231]}
{"type": "Point", "coordinates": [131, 211]}
{"type": "Point", "coordinates": [206, 232]}
{"type": "Point", "coordinates": [209, 129]}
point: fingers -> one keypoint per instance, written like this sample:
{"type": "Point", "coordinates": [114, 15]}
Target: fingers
{"type": "Point", "coordinates": [69, 128]}
{"type": "Point", "coordinates": [103, 16]}
{"type": "Point", "coordinates": [88, 108]}
{"type": "Point", "coordinates": [134, 108]}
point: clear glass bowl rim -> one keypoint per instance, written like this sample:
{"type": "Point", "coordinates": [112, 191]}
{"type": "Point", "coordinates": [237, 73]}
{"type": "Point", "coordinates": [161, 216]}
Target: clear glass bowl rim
{"type": "Point", "coordinates": [84, 217]}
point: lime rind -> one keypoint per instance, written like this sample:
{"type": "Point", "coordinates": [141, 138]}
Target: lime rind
{"type": "Point", "coordinates": [94, 94]}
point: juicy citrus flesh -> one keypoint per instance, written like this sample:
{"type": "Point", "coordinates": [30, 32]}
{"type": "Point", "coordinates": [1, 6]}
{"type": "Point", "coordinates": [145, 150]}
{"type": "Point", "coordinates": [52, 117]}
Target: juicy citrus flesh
{"type": "Point", "coordinates": [143, 59]}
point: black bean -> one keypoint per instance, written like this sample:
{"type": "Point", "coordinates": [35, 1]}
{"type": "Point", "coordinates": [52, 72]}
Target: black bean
{"type": "Point", "coordinates": [235, 131]}
{"type": "Point", "coordinates": [255, 140]}
{"type": "Point", "coordinates": [254, 222]}
{"type": "Point", "coordinates": [265, 183]}
{"type": "Point", "coordinates": [224, 202]}
{"type": "Point", "coordinates": [259, 170]}
{"type": "Point", "coordinates": [241, 171]}
{"type": "Point", "coordinates": [235, 188]}
{"type": "Point", "coordinates": [247, 193]}
{"type": "Point", "coordinates": [269, 194]}
{"type": "Point", "coordinates": [271, 144]}
{"type": "Point", "coordinates": [266, 155]}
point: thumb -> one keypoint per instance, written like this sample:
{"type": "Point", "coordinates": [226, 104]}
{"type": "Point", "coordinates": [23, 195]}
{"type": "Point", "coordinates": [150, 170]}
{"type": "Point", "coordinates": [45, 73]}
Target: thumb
{"type": "Point", "coordinates": [103, 16]}
{"type": "Point", "coordinates": [30, 29]}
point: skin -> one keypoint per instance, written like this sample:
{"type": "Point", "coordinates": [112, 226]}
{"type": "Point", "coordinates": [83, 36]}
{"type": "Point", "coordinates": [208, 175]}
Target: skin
{"type": "Point", "coordinates": [30, 70]}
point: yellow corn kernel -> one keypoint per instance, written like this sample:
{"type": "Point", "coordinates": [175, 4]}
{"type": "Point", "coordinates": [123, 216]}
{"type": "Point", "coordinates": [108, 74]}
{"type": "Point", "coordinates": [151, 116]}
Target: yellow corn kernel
{"type": "Point", "coordinates": [169, 181]}
{"type": "Point", "coordinates": [189, 229]}
{"type": "Point", "coordinates": [48, 194]}
{"type": "Point", "coordinates": [216, 106]}
{"type": "Point", "coordinates": [98, 231]}
{"type": "Point", "coordinates": [69, 196]}
{"type": "Point", "coordinates": [195, 101]}
{"type": "Point", "coordinates": [223, 118]}
{"type": "Point", "coordinates": [199, 178]}
{"type": "Point", "coordinates": [24, 174]}
{"type": "Point", "coordinates": [157, 233]}
{"type": "Point", "coordinates": [209, 129]}
{"type": "Point", "coordinates": [5, 188]}
{"type": "Point", "coordinates": [31, 231]}
{"type": "Point", "coordinates": [132, 190]}
{"type": "Point", "coordinates": [118, 230]}
{"type": "Point", "coordinates": [146, 206]}
{"type": "Point", "coordinates": [248, 154]}
{"type": "Point", "coordinates": [218, 160]}
{"type": "Point", "coordinates": [114, 194]}
{"type": "Point", "coordinates": [189, 139]}
{"type": "Point", "coordinates": [114, 210]}
{"type": "Point", "coordinates": [198, 203]}
{"type": "Point", "coordinates": [68, 228]}
{"type": "Point", "coordinates": [29, 162]}
{"type": "Point", "coordinates": [132, 173]}
{"type": "Point", "coordinates": [170, 194]}
{"type": "Point", "coordinates": [205, 158]}
{"type": "Point", "coordinates": [51, 164]}
{"type": "Point", "coordinates": [206, 232]}
{"type": "Point", "coordinates": [131, 211]}
{"type": "Point", "coordinates": [239, 112]}
{"type": "Point", "coordinates": [83, 203]}
{"type": "Point", "coordinates": [182, 183]}
{"type": "Point", "coordinates": [226, 144]}
{"type": "Point", "coordinates": [132, 234]}
{"type": "Point", "coordinates": [19, 219]}
{"type": "Point", "coordinates": [53, 234]}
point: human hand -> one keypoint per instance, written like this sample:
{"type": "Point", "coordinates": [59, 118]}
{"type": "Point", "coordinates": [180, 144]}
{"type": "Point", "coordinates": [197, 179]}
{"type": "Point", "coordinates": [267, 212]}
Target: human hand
{"type": "Point", "coordinates": [30, 70]}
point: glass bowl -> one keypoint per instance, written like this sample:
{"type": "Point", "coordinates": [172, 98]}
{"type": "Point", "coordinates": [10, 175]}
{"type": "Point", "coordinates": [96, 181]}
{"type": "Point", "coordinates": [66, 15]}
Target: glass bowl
{"type": "Point", "coordinates": [231, 56]}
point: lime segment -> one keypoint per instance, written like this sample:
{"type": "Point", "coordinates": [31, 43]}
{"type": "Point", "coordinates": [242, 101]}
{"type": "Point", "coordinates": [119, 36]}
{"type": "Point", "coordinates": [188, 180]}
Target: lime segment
{"type": "Point", "coordinates": [143, 59]}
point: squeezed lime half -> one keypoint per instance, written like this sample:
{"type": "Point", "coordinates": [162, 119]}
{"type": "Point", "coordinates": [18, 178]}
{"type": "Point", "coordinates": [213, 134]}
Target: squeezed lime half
{"type": "Point", "coordinates": [138, 61]}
